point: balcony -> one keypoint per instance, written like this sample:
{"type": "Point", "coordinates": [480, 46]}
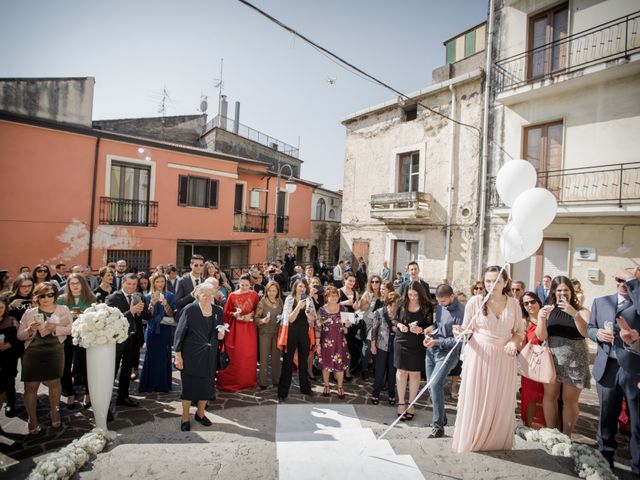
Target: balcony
{"type": "Point", "coordinates": [135, 213]}
{"type": "Point", "coordinates": [250, 222]}
{"type": "Point", "coordinates": [282, 224]}
{"type": "Point", "coordinates": [556, 61]}
{"type": "Point", "coordinates": [616, 185]}
{"type": "Point", "coordinates": [401, 207]}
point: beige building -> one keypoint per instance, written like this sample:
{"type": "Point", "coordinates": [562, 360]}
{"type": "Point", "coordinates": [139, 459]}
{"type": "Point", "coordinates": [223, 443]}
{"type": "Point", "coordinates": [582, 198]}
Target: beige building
{"type": "Point", "coordinates": [566, 97]}
{"type": "Point", "coordinates": [326, 210]}
{"type": "Point", "coordinates": [411, 176]}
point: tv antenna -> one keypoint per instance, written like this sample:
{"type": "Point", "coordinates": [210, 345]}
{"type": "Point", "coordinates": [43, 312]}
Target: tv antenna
{"type": "Point", "coordinates": [219, 84]}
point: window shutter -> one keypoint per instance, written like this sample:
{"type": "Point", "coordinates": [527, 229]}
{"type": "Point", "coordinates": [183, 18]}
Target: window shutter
{"type": "Point", "coordinates": [213, 194]}
{"type": "Point", "coordinates": [183, 186]}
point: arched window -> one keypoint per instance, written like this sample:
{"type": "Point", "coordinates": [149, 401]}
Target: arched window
{"type": "Point", "coordinates": [321, 209]}
{"type": "Point", "coordinates": [332, 214]}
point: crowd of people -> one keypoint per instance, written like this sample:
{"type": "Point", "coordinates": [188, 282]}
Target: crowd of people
{"type": "Point", "coordinates": [285, 317]}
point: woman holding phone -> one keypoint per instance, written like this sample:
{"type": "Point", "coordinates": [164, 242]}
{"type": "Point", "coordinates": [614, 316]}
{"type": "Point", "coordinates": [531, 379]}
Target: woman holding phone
{"type": "Point", "coordinates": [78, 297]}
{"type": "Point", "coordinates": [156, 369]}
{"type": "Point", "coordinates": [300, 313]}
{"type": "Point", "coordinates": [267, 313]}
{"type": "Point", "coordinates": [44, 329]}
{"type": "Point", "coordinates": [560, 322]}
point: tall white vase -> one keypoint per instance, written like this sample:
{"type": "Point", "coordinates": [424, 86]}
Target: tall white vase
{"type": "Point", "coordinates": [101, 365]}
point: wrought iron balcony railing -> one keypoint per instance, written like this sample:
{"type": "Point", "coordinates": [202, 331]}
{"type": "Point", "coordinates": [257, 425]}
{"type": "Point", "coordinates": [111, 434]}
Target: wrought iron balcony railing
{"type": "Point", "coordinates": [617, 184]}
{"type": "Point", "coordinates": [608, 41]}
{"type": "Point", "coordinates": [250, 222]}
{"type": "Point", "coordinates": [121, 211]}
{"type": "Point", "coordinates": [282, 224]}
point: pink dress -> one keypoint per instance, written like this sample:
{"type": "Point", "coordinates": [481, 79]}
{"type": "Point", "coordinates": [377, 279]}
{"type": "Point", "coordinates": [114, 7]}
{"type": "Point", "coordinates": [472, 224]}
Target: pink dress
{"type": "Point", "coordinates": [487, 398]}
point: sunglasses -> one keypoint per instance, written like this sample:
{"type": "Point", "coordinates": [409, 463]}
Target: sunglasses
{"type": "Point", "coordinates": [619, 280]}
{"type": "Point", "coordinates": [532, 302]}
{"type": "Point", "coordinates": [516, 289]}
{"type": "Point", "coordinates": [42, 270]}
{"type": "Point", "coordinates": [375, 281]}
{"type": "Point", "coordinates": [477, 288]}
{"type": "Point", "coordinates": [46, 295]}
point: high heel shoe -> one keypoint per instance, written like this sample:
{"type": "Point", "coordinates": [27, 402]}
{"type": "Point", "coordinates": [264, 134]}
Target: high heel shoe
{"type": "Point", "coordinates": [341, 393]}
{"type": "Point", "coordinates": [34, 431]}
{"type": "Point", "coordinates": [400, 413]}
{"type": "Point", "coordinates": [56, 424]}
{"type": "Point", "coordinates": [326, 392]}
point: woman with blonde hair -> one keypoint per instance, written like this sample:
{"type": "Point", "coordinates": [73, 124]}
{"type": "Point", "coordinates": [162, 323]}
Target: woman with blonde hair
{"type": "Point", "coordinates": [267, 313]}
{"type": "Point", "coordinates": [43, 329]}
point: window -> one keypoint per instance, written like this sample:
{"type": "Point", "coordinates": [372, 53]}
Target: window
{"type": "Point", "coordinates": [408, 171]}
{"type": "Point", "coordinates": [321, 209]}
{"type": "Point", "coordinates": [238, 202]}
{"type": "Point", "coordinates": [137, 260]}
{"type": "Point", "coordinates": [451, 51]}
{"type": "Point", "coordinates": [332, 214]}
{"type": "Point", "coordinates": [411, 113]}
{"type": "Point", "coordinates": [254, 199]}
{"type": "Point", "coordinates": [197, 192]}
{"type": "Point", "coordinates": [543, 148]}
{"type": "Point", "coordinates": [129, 181]}
{"type": "Point", "coordinates": [545, 31]}
{"type": "Point", "coordinates": [469, 43]}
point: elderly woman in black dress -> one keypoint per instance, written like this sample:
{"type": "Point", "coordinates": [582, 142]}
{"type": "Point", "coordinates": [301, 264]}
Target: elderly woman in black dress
{"type": "Point", "coordinates": [196, 347]}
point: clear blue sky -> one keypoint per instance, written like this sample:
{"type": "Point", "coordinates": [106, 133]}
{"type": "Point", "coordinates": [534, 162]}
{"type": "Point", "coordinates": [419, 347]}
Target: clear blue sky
{"type": "Point", "coordinates": [135, 48]}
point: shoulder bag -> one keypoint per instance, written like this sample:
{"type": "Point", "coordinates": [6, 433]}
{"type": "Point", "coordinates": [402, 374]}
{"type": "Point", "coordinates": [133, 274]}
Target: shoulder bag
{"type": "Point", "coordinates": [536, 363]}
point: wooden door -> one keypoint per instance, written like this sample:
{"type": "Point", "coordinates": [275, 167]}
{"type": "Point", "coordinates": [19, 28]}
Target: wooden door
{"type": "Point", "coordinates": [360, 249]}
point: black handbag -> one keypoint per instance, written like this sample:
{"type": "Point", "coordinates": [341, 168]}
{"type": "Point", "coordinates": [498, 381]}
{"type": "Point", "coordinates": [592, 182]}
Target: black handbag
{"type": "Point", "coordinates": [223, 357]}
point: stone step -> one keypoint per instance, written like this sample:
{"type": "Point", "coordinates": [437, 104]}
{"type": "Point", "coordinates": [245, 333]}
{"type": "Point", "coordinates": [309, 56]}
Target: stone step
{"type": "Point", "coordinates": [351, 466]}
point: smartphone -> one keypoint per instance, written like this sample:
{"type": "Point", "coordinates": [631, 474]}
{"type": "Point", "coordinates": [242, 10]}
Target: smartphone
{"type": "Point", "coordinates": [303, 296]}
{"type": "Point", "coordinates": [39, 318]}
{"type": "Point", "coordinates": [562, 298]}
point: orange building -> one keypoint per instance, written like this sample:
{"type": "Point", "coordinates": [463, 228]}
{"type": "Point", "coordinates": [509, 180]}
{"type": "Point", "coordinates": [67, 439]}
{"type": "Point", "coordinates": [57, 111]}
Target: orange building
{"type": "Point", "coordinates": [75, 193]}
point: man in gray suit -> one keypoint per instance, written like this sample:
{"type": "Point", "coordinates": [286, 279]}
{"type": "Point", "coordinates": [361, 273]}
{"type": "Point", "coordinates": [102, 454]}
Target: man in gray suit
{"type": "Point", "coordinates": [616, 369]}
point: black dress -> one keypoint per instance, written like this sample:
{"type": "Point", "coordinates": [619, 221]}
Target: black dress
{"type": "Point", "coordinates": [408, 350]}
{"type": "Point", "coordinates": [197, 340]}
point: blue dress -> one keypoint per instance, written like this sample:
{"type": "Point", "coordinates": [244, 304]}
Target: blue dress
{"type": "Point", "coordinates": [157, 367]}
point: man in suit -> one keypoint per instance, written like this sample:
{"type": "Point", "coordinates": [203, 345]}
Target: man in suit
{"type": "Point", "coordinates": [414, 276]}
{"type": "Point", "coordinates": [60, 276]}
{"type": "Point", "coordinates": [338, 273]}
{"type": "Point", "coordinates": [320, 268]}
{"type": "Point", "coordinates": [299, 275]}
{"type": "Point", "coordinates": [616, 370]}
{"type": "Point", "coordinates": [121, 269]}
{"type": "Point", "coordinates": [131, 305]}
{"type": "Point", "coordinates": [385, 272]}
{"type": "Point", "coordinates": [172, 278]}
{"type": "Point", "coordinates": [187, 283]}
{"type": "Point", "coordinates": [543, 290]}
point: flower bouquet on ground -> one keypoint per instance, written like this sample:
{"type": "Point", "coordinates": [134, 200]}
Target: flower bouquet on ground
{"type": "Point", "coordinates": [100, 325]}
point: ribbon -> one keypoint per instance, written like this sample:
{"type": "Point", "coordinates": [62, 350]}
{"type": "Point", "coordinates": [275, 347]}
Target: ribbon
{"type": "Point", "coordinates": [223, 328]}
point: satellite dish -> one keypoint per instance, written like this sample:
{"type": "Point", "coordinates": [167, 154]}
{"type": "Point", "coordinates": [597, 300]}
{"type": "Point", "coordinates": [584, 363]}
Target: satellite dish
{"type": "Point", "coordinates": [203, 106]}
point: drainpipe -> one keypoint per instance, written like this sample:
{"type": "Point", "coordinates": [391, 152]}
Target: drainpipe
{"type": "Point", "coordinates": [452, 153]}
{"type": "Point", "coordinates": [93, 199]}
{"type": "Point", "coordinates": [485, 141]}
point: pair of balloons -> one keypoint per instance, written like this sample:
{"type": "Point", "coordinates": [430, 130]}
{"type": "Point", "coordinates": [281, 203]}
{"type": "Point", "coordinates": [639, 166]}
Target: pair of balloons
{"type": "Point", "coordinates": [532, 210]}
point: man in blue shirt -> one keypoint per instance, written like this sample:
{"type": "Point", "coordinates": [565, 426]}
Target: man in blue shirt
{"type": "Point", "coordinates": [439, 342]}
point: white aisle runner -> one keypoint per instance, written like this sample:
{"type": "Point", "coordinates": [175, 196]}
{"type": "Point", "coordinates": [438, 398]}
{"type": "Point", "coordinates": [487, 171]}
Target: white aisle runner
{"type": "Point", "coordinates": [328, 441]}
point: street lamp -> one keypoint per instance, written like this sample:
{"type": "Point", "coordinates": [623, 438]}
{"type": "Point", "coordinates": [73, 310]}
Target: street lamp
{"type": "Point", "coordinates": [289, 187]}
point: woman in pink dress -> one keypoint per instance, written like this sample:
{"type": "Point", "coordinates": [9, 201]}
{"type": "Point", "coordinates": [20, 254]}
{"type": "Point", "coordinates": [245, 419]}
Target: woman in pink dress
{"type": "Point", "coordinates": [487, 398]}
{"type": "Point", "coordinates": [241, 343]}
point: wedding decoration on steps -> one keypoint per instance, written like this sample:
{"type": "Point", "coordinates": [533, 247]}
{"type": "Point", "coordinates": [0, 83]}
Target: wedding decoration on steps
{"type": "Point", "coordinates": [98, 330]}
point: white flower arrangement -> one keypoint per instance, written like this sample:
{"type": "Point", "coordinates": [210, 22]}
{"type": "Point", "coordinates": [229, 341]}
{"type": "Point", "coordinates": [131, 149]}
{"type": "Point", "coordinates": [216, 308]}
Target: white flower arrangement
{"type": "Point", "coordinates": [588, 463]}
{"type": "Point", "coordinates": [67, 461]}
{"type": "Point", "coordinates": [100, 325]}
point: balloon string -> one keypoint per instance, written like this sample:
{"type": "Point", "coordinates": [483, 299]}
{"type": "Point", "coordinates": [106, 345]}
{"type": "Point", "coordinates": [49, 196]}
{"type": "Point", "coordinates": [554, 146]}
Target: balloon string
{"type": "Point", "coordinates": [462, 336]}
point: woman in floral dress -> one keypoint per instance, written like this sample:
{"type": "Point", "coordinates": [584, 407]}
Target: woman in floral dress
{"type": "Point", "coordinates": [331, 343]}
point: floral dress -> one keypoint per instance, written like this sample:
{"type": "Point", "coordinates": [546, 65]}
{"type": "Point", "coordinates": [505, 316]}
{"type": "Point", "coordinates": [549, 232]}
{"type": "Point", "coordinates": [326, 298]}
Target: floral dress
{"type": "Point", "coordinates": [334, 354]}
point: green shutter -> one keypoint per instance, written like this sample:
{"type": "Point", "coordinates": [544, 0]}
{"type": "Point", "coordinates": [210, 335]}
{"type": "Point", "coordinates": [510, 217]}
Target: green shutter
{"type": "Point", "coordinates": [451, 51]}
{"type": "Point", "coordinates": [469, 43]}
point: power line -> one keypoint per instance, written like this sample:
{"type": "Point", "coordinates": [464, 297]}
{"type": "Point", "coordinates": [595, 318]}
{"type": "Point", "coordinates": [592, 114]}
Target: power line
{"type": "Point", "coordinates": [364, 75]}
{"type": "Point", "coordinates": [351, 66]}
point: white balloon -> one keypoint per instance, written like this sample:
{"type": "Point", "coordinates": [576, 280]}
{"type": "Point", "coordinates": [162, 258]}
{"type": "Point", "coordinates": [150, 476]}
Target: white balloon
{"type": "Point", "coordinates": [514, 178]}
{"type": "Point", "coordinates": [534, 210]}
{"type": "Point", "coordinates": [515, 246]}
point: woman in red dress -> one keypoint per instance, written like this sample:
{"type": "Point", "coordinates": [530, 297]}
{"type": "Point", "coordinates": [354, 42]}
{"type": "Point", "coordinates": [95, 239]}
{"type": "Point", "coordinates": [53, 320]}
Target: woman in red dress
{"type": "Point", "coordinates": [531, 392]}
{"type": "Point", "coordinates": [241, 342]}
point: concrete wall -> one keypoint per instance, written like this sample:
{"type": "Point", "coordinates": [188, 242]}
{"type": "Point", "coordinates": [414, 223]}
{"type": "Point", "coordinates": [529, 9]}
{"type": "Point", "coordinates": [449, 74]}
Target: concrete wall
{"type": "Point", "coordinates": [223, 141]}
{"type": "Point", "coordinates": [373, 144]}
{"type": "Point", "coordinates": [182, 129]}
{"type": "Point", "coordinates": [67, 100]}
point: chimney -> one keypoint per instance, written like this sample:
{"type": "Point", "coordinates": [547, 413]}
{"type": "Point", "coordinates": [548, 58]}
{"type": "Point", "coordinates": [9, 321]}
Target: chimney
{"type": "Point", "coordinates": [236, 121]}
{"type": "Point", "coordinates": [223, 112]}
